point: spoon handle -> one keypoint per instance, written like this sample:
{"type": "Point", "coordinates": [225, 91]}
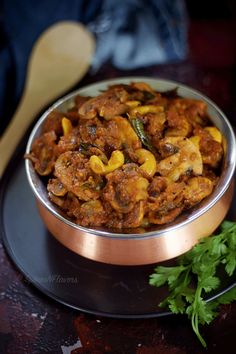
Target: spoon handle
{"type": "Point", "coordinates": [28, 108]}
{"type": "Point", "coordinates": [59, 59]}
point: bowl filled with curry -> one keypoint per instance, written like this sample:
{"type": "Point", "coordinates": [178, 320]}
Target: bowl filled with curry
{"type": "Point", "coordinates": [132, 171]}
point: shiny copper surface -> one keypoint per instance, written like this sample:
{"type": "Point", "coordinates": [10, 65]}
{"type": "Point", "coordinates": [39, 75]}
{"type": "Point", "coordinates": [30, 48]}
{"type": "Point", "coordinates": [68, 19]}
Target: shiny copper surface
{"type": "Point", "coordinates": [137, 251]}
{"type": "Point", "coordinates": [148, 247]}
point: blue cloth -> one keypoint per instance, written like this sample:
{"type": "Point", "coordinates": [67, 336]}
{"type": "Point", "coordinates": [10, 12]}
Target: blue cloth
{"type": "Point", "coordinates": [129, 33]}
{"type": "Point", "coordinates": [138, 33]}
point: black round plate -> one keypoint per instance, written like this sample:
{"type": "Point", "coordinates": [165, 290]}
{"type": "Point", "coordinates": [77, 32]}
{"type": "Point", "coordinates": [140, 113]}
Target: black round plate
{"type": "Point", "coordinates": [93, 287]}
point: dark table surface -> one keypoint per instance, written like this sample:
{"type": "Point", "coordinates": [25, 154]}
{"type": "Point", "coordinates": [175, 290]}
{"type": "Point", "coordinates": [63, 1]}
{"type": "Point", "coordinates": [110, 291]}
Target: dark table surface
{"type": "Point", "coordinates": [30, 322]}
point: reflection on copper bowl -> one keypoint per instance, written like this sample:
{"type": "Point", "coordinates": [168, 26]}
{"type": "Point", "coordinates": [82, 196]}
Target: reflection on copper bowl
{"type": "Point", "coordinates": [152, 245]}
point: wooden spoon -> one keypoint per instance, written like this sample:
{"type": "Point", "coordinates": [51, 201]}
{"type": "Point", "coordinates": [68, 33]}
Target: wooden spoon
{"type": "Point", "coordinates": [59, 59]}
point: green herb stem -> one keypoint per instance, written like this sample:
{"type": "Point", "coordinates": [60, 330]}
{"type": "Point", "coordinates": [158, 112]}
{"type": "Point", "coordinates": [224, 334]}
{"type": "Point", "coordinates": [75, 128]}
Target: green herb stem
{"type": "Point", "coordinates": [195, 317]}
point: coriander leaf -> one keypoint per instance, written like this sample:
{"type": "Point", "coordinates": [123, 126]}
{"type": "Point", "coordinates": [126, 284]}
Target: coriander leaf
{"type": "Point", "coordinates": [230, 261]}
{"type": "Point", "coordinates": [189, 294]}
{"type": "Point", "coordinates": [212, 307]}
{"type": "Point", "coordinates": [232, 241]}
{"type": "Point", "coordinates": [210, 283]}
{"type": "Point", "coordinates": [164, 275]}
{"type": "Point", "coordinates": [211, 313]}
{"type": "Point", "coordinates": [157, 279]}
{"type": "Point", "coordinates": [204, 266]}
{"type": "Point", "coordinates": [177, 305]}
{"type": "Point", "coordinates": [165, 302]}
{"type": "Point", "coordinates": [226, 225]}
{"type": "Point", "coordinates": [218, 248]}
{"type": "Point", "coordinates": [226, 298]}
{"type": "Point", "coordinates": [205, 314]}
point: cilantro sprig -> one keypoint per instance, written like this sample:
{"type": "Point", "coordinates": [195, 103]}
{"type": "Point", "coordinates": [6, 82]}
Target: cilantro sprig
{"type": "Point", "coordinates": [196, 274]}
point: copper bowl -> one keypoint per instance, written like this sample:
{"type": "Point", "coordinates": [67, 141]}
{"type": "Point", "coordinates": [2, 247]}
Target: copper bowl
{"type": "Point", "coordinates": [151, 245]}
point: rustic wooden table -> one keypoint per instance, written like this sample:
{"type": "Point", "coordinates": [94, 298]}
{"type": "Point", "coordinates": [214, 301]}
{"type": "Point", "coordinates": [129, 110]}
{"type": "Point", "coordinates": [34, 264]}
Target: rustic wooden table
{"type": "Point", "coordinates": [30, 322]}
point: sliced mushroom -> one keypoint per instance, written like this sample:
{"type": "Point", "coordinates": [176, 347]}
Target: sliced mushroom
{"type": "Point", "coordinates": [187, 158]}
{"type": "Point", "coordinates": [72, 170]}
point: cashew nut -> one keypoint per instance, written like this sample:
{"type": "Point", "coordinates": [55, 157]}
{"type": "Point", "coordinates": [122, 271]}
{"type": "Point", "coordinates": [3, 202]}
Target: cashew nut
{"type": "Point", "coordinates": [66, 126]}
{"type": "Point", "coordinates": [215, 133]}
{"type": "Point", "coordinates": [116, 161]}
{"type": "Point", "coordinates": [133, 103]}
{"type": "Point", "coordinates": [142, 110]}
{"type": "Point", "coordinates": [195, 139]}
{"type": "Point", "coordinates": [147, 161]}
{"type": "Point", "coordinates": [127, 133]}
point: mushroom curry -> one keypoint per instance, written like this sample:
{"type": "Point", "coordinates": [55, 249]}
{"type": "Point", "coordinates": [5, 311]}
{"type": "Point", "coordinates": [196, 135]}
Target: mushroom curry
{"type": "Point", "coordinates": [129, 157]}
